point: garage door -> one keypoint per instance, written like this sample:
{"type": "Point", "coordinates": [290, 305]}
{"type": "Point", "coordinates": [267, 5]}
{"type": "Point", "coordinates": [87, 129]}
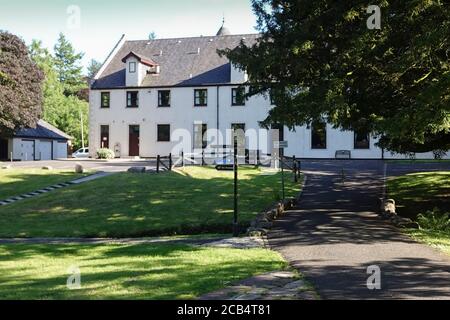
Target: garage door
{"type": "Point", "coordinates": [45, 150]}
{"type": "Point", "coordinates": [61, 150]}
{"type": "Point", "coordinates": [27, 152]}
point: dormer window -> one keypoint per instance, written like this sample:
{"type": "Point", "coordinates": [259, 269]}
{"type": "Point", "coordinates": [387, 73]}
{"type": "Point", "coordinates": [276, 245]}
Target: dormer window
{"type": "Point", "coordinates": [137, 67]}
{"type": "Point", "coordinates": [132, 67]}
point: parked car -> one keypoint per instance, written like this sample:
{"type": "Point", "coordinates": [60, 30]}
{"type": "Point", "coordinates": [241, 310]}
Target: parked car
{"type": "Point", "coordinates": [81, 153]}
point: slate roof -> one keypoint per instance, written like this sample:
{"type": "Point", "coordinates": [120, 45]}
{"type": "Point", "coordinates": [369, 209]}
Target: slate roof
{"type": "Point", "coordinates": [181, 61]}
{"type": "Point", "coordinates": [43, 130]}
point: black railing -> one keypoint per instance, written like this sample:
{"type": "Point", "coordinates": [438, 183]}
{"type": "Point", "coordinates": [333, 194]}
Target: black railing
{"type": "Point", "coordinates": [161, 164]}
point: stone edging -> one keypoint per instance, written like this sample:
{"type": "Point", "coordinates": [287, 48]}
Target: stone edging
{"type": "Point", "coordinates": [48, 189]}
{"type": "Point", "coordinates": [278, 285]}
{"type": "Point", "coordinates": [264, 220]}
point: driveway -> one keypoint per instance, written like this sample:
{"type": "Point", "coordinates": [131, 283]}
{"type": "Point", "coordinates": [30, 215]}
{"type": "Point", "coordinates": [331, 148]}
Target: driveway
{"type": "Point", "coordinates": [335, 235]}
{"type": "Point", "coordinates": [116, 165]}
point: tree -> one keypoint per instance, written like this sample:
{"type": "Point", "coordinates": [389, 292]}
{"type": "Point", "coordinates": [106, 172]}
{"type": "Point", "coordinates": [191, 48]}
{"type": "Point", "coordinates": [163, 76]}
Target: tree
{"type": "Point", "coordinates": [93, 67]}
{"type": "Point", "coordinates": [68, 66]}
{"type": "Point", "coordinates": [320, 60]}
{"type": "Point", "coordinates": [152, 36]}
{"type": "Point", "coordinates": [59, 110]}
{"type": "Point", "coordinates": [20, 86]}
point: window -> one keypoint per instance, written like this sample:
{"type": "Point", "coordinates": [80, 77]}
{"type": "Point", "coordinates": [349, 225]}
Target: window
{"type": "Point", "coordinates": [132, 99]}
{"type": "Point", "coordinates": [362, 140]}
{"type": "Point", "coordinates": [104, 137]}
{"type": "Point", "coordinates": [132, 67]}
{"type": "Point", "coordinates": [200, 136]}
{"type": "Point", "coordinates": [163, 132]}
{"type": "Point", "coordinates": [238, 97]}
{"type": "Point", "coordinates": [200, 97]}
{"type": "Point", "coordinates": [164, 98]}
{"type": "Point", "coordinates": [319, 135]}
{"type": "Point", "coordinates": [105, 100]}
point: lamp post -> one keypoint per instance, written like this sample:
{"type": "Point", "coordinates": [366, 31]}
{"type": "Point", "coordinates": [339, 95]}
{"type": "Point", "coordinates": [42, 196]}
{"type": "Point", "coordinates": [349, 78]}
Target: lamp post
{"type": "Point", "coordinates": [82, 130]}
{"type": "Point", "coordinates": [235, 169]}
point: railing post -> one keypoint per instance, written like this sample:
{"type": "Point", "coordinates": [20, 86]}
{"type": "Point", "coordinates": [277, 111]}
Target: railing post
{"type": "Point", "coordinates": [158, 158]}
{"type": "Point", "coordinates": [170, 161]}
{"type": "Point", "coordinates": [182, 158]}
{"type": "Point", "coordinates": [294, 166]}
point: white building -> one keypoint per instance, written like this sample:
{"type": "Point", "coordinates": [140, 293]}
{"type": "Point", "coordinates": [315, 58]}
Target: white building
{"type": "Point", "coordinates": [44, 142]}
{"type": "Point", "coordinates": [149, 92]}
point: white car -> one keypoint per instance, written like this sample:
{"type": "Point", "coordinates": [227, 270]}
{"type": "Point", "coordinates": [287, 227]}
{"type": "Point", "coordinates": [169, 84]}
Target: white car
{"type": "Point", "coordinates": [81, 153]}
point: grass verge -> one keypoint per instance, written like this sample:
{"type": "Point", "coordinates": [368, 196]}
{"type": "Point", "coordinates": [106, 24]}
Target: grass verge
{"type": "Point", "coordinates": [195, 200]}
{"type": "Point", "coordinates": [157, 271]}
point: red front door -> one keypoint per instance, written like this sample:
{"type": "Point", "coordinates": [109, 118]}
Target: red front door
{"type": "Point", "coordinates": [134, 141]}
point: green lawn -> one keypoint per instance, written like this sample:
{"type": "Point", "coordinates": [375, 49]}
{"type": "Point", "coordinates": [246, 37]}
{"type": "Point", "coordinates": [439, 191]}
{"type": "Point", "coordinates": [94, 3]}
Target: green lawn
{"type": "Point", "coordinates": [196, 200]}
{"type": "Point", "coordinates": [14, 182]}
{"type": "Point", "coordinates": [418, 192]}
{"type": "Point", "coordinates": [127, 271]}
{"type": "Point", "coordinates": [439, 240]}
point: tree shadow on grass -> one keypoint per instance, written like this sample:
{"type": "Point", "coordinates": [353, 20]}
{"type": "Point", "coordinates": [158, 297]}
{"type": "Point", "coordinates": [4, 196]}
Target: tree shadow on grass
{"type": "Point", "coordinates": [127, 205]}
{"type": "Point", "coordinates": [130, 272]}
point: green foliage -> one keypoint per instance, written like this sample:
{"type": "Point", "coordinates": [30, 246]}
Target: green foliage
{"type": "Point", "coordinates": [105, 153]}
{"type": "Point", "coordinates": [434, 220]}
{"type": "Point", "coordinates": [64, 112]}
{"type": "Point", "coordinates": [319, 59]}
{"type": "Point", "coordinates": [67, 66]}
{"type": "Point", "coordinates": [93, 67]}
{"type": "Point", "coordinates": [20, 86]}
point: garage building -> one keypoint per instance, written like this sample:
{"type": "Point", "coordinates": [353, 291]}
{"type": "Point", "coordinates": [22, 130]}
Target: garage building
{"type": "Point", "coordinates": [45, 142]}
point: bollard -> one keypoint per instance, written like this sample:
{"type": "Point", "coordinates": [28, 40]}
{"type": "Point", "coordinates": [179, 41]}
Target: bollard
{"type": "Point", "coordinates": [170, 161]}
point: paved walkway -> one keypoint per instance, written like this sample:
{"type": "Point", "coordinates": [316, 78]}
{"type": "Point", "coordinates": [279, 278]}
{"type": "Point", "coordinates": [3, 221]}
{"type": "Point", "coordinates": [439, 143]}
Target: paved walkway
{"type": "Point", "coordinates": [335, 235]}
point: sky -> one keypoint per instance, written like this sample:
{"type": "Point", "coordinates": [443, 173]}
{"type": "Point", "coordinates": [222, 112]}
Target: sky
{"type": "Point", "coordinates": [95, 26]}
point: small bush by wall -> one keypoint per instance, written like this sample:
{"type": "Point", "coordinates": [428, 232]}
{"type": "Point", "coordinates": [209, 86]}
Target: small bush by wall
{"type": "Point", "coordinates": [434, 220]}
{"type": "Point", "coordinates": [105, 154]}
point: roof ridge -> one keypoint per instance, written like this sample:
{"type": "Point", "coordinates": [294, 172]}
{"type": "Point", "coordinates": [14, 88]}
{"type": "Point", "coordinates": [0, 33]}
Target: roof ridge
{"type": "Point", "coordinates": [198, 37]}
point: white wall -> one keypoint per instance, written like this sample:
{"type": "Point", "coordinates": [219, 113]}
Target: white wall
{"type": "Point", "coordinates": [135, 79]}
{"type": "Point", "coordinates": [300, 144]}
{"type": "Point", "coordinates": [19, 153]}
{"type": "Point", "coordinates": [238, 76]}
{"type": "Point", "coordinates": [182, 115]}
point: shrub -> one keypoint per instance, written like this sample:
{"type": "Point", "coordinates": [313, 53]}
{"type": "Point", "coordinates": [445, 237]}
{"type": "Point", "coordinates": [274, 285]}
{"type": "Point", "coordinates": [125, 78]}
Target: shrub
{"type": "Point", "coordinates": [434, 220]}
{"type": "Point", "coordinates": [105, 154]}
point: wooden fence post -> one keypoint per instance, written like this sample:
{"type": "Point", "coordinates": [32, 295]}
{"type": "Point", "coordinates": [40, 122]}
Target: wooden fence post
{"type": "Point", "coordinates": [157, 163]}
